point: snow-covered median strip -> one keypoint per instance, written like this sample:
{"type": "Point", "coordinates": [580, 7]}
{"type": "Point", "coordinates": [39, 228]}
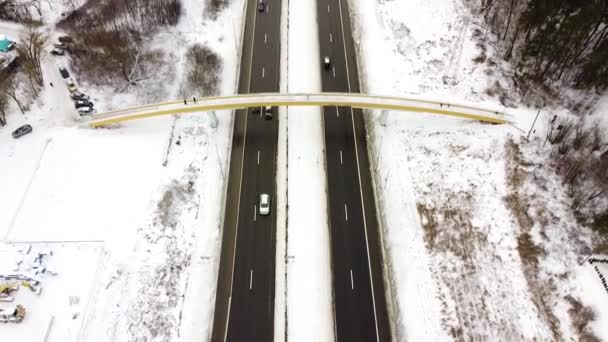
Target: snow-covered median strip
{"type": "Point", "coordinates": [309, 286]}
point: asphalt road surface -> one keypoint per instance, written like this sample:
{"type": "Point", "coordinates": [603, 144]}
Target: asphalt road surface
{"type": "Point", "coordinates": [359, 297]}
{"type": "Point", "coordinates": [244, 307]}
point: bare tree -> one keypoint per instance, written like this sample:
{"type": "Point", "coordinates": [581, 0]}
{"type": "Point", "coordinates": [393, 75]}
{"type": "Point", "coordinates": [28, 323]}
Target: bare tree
{"type": "Point", "coordinates": [38, 6]}
{"type": "Point", "coordinates": [8, 87]}
{"type": "Point", "coordinates": [204, 66]}
{"type": "Point", "coordinates": [3, 104]}
{"type": "Point", "coordinates": [32, 52]}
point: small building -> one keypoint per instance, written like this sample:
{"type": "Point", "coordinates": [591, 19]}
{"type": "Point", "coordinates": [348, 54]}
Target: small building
{"type": "Point", "coordinates": [5, 44]}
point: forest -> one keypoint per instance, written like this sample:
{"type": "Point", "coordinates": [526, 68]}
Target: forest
{"type": "Point", "coordinates": [553, 43]}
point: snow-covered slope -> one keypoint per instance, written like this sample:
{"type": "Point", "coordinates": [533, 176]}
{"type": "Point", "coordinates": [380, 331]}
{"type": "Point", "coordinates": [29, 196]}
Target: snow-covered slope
{"type": "Point", "coordinates": [481, 240]}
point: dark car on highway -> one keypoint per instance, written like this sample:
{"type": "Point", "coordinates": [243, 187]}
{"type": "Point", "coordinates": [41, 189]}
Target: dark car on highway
{"type": "Point", "coordinates": [21, 131]}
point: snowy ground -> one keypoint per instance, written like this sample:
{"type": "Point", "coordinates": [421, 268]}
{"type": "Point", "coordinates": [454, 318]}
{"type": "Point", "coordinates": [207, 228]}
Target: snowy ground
{"type": "Point", "coordinates": [309, 288]}
{"type": "Point", "coordinates": [70, 270]}
{"type": "Point", "coordinates": [482, 244]}
{"type": "Point", "coordinates": [136, 242]}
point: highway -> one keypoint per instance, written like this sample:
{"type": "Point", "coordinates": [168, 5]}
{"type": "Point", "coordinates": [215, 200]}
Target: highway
{"type": "Point", "coordinates": [244, 306]}
{"type": "Point", "coordinates": [358, 287]}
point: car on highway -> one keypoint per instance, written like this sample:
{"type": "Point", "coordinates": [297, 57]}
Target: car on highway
{"type": "Point", "coordinates": [326, 62]}
{"type": "Point", "coordinates": [261, 6]}
{"type": "Point", "coordinates": [264, 204]}
{"type": "Point", "coordinates": [268, 112]}
{"type": "Point", "coordinates": [57, 52]}
{"type": "Point", "coordinates": [87, 110]}
{"type": "Point", "coordinates": [64, 72]}
{"type": "Point", "coordinates": [21, 131]}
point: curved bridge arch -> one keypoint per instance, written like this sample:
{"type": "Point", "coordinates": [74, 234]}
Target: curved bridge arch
{"type": "Point", "coordinates": [354, 100]}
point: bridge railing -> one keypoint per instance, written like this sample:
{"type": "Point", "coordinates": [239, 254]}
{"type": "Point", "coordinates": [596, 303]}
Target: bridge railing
{"type": "Point", "coordinates": [212, 103]}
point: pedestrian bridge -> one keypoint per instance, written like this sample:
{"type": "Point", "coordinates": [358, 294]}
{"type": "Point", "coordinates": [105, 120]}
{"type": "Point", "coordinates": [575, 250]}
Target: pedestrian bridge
{"type": "Point", "coordinates": [355, 100]}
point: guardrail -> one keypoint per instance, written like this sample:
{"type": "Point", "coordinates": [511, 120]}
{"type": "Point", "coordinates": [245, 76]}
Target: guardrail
{"type": "Point", "coordinates": [354, 100]}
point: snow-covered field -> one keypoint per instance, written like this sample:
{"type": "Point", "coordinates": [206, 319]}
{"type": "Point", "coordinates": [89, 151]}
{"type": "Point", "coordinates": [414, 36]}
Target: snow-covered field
{"type": "Point", "coordinates": [134, 243]}
{"type": "Point", "coordinates": [481, 240]}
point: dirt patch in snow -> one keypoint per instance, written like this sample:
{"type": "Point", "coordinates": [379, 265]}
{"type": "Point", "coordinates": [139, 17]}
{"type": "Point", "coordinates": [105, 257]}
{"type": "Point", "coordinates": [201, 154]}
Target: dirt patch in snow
{"type": "Point", "coordinates": [156, 311]}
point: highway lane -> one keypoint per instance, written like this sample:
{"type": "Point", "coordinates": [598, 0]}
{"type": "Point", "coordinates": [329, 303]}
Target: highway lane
{"type": "Point", "coordinates": [359, 297]}
{"type": "Point", "coordinates": [244, 309]}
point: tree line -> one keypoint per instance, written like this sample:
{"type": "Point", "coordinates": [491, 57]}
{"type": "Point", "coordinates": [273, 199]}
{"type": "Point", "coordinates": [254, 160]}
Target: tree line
{"type": "Point", "coordinates": [553, 42]}
{"type": "Point", "coordinates": [109, 36]}
{"type": "Point", "coordinates": [31, 53]}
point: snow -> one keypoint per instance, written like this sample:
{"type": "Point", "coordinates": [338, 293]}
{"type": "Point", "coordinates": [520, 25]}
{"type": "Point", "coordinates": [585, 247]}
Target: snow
{"type": "Point", "coordinates": [124, 228]}
{"type": "Point", "coordinates": [59, 309]}
{"type": "Point", "coordinates": [309, 288]}
{"type": "Point", "coordinates": [280, 301]}
{"type": "Point", "coordinates": [452, 239]}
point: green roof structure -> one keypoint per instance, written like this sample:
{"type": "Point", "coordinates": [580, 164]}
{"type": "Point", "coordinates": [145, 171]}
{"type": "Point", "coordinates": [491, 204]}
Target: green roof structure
{"type": "Point", "coordinates": [5, 44]}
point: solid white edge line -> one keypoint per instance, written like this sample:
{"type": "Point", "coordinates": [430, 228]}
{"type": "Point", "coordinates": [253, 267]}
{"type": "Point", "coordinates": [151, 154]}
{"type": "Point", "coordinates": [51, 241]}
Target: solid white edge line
{"type": "Point", "coordinates": [369, 264]}
{"type": "Point", "coordinates": [238, 206]}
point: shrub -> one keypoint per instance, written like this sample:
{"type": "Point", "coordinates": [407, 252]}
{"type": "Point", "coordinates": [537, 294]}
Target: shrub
{"type": "Point", "coordinates": [204, 66]}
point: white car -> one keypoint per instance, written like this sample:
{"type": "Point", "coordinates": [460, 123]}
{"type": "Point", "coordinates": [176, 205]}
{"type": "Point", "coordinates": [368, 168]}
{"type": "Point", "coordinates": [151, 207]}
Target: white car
{"type": "Point", "coordinates": [71, 85]}
{"type": "Point", "coordinates": [326, 62]}
{"type": "Point", "coordinates": [87, 110]}
{"type": "Point", "coordinates": [264, 204]}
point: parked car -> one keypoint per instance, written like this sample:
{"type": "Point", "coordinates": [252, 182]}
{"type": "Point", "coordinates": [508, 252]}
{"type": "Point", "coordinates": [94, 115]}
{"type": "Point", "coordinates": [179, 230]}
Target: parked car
{"type": "Point", "coordinates": [65, 39]}
{"type": "Point", "coordinates": [71, 85]}
{"type": "Point", "coordinates": [264, 204]}
{"type": "Point", "coordinates": [21, 131]}
{"type": "Point", "coordinates": [57, 52]}
{"type": "Point", "coordinates": [261, 6]}
{"type": "Point", "coordinates": [79, 96]}
{"type": "Point", "coordinates": [61, 46]}
{"type": "Point", "coordinates": [82, 103]}
{"type": "Point", "coordinates": [64, 72]}
{"type": "Point", "coordinates": [87, 110]}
